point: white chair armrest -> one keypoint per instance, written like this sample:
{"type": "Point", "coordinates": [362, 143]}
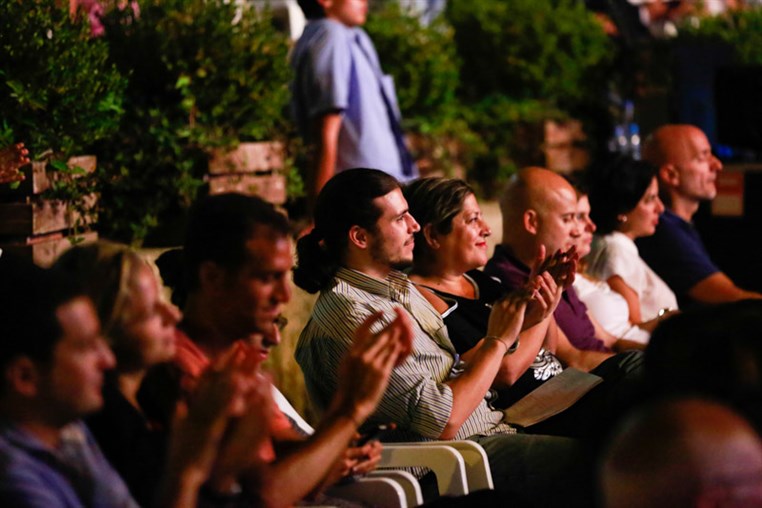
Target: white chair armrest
{"type": "Point", "coordinates": [446, 463]}
{"type": "Point", "coordinates": [478, 471]}
{"type": "Point", "coordinates": [408, 482]}
{"type": "Point", "coordinates": [372, 491]}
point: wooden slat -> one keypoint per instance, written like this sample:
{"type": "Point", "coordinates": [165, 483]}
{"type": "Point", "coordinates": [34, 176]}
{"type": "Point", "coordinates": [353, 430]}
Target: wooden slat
{"type": "Point", "coordinates": [270, 187]}
{"type": "Point", "coordinates": [44, 250]}
{"type": "Point", "coordinates": [262, 156]}
{"type": "Point", "coordinates": [39, 216]}
{"type": "Point", "coordinates": [38, 180]}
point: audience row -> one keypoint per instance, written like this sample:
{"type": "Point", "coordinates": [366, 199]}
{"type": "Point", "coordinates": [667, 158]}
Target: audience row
{"type": "Point", "coordinates": [111, 397]}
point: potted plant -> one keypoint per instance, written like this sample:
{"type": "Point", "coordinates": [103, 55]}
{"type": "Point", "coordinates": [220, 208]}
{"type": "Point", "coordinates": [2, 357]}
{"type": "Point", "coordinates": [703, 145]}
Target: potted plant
{"type": "Point", "coordinates": [59, 95]}
{"type": "Point", "coordinates": [204, 75]}
{"type": "Point", "coordinates": [525, 61]}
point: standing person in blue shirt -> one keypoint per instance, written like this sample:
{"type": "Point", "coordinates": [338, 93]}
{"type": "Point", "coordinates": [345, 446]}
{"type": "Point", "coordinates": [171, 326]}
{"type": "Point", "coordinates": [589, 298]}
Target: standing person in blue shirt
{"type": "Point", "coordinates": [687, 176]}
{"type": "Point", "coordinates": [344, 105]}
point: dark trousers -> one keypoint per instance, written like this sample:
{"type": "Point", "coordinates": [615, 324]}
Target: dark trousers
{"type": "Point", "coordinates": [594, 416]}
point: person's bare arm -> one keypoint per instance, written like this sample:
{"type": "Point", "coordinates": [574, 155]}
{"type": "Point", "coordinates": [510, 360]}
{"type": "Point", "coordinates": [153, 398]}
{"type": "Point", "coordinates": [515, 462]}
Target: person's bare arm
{"type": "Point", "coordinates": [363, 377]}
{"type": "Point", "coordinates": [613, 342]}
{"type": "Point", "coordinates": [718, 288]}
{"type": "Point", "coordinates": [328, 127]}
{"type": "Point", "coordinates": [600, 333]}
{"type": "Point", "coordinates": [547, 295]}
{"type": "Point", "coordinates": [469, 388]}
{"type": "Point", "coordinates": [630, 296]}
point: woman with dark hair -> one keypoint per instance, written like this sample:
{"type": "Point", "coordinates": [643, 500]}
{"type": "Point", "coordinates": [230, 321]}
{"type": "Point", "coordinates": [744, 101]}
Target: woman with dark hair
{"type": "Point", "coordinates": [449, 248]}
{"type": "Point", "coordinates": [625, 205]}
{"type": "Point", "coordinates": [608, 307]}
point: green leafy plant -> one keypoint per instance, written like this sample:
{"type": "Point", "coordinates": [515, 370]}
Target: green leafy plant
{"type": "Point", "coordinates": [525, 61]}
{"type": "Point", "coordinates": [203, 74]}
{"type": "Point", "coordinates": [549, 50]}
{"type": "Point", "coordinates": [58, 93]}
{"type": "Point", "coordinates": [741, 30]}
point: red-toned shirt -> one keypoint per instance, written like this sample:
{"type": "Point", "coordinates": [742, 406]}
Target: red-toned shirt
{"type": "Point", "coordinates": [193, 362]}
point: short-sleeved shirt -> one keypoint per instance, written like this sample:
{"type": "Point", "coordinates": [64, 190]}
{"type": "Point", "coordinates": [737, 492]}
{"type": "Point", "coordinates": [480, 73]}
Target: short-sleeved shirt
{"type": "Point", "coordinates": [616, 254]}
{"type": "Point", "coordinates": [609, 308]}
{"type": "Point", "coordinates": [75, 475]}
{"type": "Point", "coordinates": [417, 398]}
{"type": "Point", "coordinates": [677, 254]}
{"type": "Point", "coordinates": [570, 315]}
{"type": "Point", "coordinates": [337, 70]}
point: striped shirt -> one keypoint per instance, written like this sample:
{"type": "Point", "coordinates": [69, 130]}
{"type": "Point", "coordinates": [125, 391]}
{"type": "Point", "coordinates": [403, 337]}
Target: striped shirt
{"type": "Point", "coordinates": [417, 398]}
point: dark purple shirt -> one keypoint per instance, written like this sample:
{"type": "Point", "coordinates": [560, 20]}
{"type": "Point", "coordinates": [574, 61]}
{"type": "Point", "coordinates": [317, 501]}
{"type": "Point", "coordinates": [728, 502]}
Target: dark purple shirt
{"type": "Point", "coordinates": [571, 314]}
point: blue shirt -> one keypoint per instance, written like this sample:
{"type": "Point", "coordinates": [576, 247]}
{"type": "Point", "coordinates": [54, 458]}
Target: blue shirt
{"type": "Point", "coordinates": [677, 254]}
{"type": "Point", "coordinates": [76, 475]}
{"type": "Point", "coordinates": [337, 70]}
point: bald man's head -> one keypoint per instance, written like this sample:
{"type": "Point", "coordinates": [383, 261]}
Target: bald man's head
{"type": "Point", "coordinates": [687, 168]}
{"type": "Point", "coordinates": [538, 207]}
{"type": "Point", "coordinates": [681, 453]}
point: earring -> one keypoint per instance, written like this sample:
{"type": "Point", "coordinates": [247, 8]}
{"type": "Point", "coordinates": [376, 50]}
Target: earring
{"type": "Point", "coordinates": [621, 218]}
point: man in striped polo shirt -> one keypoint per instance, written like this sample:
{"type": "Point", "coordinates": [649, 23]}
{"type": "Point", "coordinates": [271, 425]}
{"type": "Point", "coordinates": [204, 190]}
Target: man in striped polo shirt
{"type": "Point", "coordinates": [363, 236]}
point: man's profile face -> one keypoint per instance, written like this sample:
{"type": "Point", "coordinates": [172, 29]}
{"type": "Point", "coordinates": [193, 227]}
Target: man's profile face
{"type": "Point", "coordinates": [391, 243]}
{"type": "Point", "coordinates": [557, 227]}
{"type": "Point", "coordinates": [256, 292]}
{"type": "Point", "coordinates": [71, 384]}
{"type": "Point", "coordinates": [351, 13]}
{"type": "Point", "coordinates": [696, 166]}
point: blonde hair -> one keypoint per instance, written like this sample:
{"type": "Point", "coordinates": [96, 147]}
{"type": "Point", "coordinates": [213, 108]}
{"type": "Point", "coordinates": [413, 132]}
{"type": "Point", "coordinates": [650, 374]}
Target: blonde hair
{"type": "Point", "coordinates": [106, 270]}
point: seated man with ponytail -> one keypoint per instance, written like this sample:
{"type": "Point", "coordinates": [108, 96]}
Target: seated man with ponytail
{"type": "Point", "coordinates": [363, 236]}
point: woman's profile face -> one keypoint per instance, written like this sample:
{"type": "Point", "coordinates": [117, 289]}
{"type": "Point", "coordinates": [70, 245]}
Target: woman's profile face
{"type": "Point", "coordinates": [148, 327]}
{"type": "Point", "coordinates": [643, 219]}
{"type": "Point", "coordinates": [466, 245]}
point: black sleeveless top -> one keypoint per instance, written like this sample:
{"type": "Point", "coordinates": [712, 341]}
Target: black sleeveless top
{"type": "Point", "coordinates": [466, 322]}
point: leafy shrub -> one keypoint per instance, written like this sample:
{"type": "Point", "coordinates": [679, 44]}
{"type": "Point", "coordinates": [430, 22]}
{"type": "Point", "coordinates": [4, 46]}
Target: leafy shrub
{"type": "Point", "coordinates": [202, 74]}
{"type": "Point", "coordinates": [740, 30]}
{"type": "Point", "coordinates": [524, 61]}
{"type": "Point", "coordinates": [548, 50]}
{"type": "Point", "coordinates": [58, 93]}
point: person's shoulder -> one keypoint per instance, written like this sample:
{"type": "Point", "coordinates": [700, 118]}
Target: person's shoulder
{"type": "Point", "coordinates": [324, 31]}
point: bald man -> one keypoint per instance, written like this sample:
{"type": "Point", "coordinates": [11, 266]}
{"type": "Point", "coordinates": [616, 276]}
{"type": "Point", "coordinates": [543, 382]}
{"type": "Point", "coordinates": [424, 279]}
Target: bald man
{"type": "Point", "coordinates": [683, 453]}
{"type": "Point", "coordinates": [687, 176]}
{"type": "Point", "coordinates": [539, 209]}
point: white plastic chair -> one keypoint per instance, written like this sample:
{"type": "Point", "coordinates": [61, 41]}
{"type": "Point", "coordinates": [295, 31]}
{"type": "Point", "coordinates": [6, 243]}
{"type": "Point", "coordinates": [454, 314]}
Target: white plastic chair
{"type": "Point", "coordinates": [460, 467]}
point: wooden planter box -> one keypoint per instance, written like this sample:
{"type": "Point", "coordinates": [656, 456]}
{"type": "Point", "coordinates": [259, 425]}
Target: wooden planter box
{"type": "Point", "coordinates": [44, 250]}
{"type": "Point", "coordinates": [38, 228]}
{"type": "Point", "coordinates": [38, 179]}
{"type": "Point", "coordinates": [39, 216]}
{"type": "Point", "coordinates": [254, 169]}
{"type": "Point", "coordinates": [563, 146]}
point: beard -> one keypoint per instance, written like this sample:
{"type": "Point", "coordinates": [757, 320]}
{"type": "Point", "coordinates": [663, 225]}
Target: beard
{"type": "Point", "coordinates": [394, 260]}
